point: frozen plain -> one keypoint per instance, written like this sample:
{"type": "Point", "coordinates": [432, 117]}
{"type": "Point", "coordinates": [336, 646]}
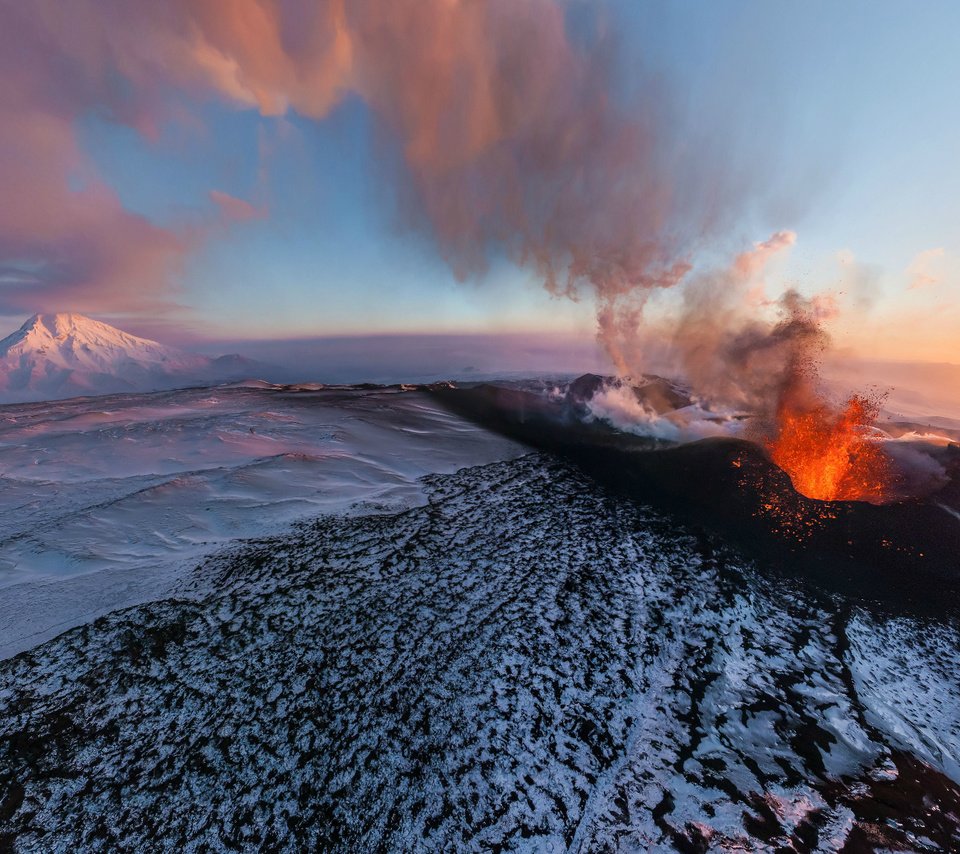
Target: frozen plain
{"type": "Point", "coordinates": [104, 501]}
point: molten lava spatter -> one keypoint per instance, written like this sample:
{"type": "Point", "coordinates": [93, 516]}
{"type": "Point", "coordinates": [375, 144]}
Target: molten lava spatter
{"type": "Point", "coordinates": [828, 452]}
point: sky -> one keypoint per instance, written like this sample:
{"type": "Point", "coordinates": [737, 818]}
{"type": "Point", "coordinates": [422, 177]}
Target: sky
{"type": "Point", "coordinates": [214, 172]}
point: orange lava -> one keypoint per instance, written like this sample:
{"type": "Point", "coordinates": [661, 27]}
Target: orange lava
{"type": "Point", "coordinates": [828, 453]}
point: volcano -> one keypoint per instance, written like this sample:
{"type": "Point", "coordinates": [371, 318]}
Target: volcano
{"type": "Point", "coordinates": [733, 488]}
{"type": "Point", "coordinates": [342, 619]}
{"type": "Point", "coordinates": [65, 355]}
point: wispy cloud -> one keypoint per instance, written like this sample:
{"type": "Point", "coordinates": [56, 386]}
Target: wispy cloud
{"type": "Point", "coordinates": [925, 269]}
{"type": "Point", "coordinates": [234, 209]}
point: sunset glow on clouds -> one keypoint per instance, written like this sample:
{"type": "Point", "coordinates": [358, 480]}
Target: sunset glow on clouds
{"type": "Point", "coordinates": [924, 269]}
{"type": "Point", "coordinates": [258, 169]}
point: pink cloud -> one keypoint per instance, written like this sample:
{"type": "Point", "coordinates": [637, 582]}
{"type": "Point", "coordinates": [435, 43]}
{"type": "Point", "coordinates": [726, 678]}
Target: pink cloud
{"type": "Point", "coordinates": [510, 136]}
{"type": "Point", "coordinates": [753, 261]}
{"type": "Point", "coordinates": [234, 209]}
{"type": "Point", "coordinates": [73, 248]}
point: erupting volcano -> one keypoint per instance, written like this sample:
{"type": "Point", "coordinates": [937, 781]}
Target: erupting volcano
{"type": "Point", "coordinates": [829, 453]}
{"type": "Point", "coordinates": [536, 515]}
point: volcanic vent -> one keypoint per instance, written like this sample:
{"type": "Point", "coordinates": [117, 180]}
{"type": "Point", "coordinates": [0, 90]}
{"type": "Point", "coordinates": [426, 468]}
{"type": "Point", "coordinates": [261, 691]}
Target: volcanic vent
{"type": "Point", "coordinates": [814, 489]}
{"type": "Point", "coordinates": [831, 452]}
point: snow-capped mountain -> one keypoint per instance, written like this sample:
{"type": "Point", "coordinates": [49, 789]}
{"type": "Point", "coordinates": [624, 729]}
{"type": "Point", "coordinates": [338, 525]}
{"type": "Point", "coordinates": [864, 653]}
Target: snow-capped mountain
{"type": "Point", "coordinates": [65, 355]}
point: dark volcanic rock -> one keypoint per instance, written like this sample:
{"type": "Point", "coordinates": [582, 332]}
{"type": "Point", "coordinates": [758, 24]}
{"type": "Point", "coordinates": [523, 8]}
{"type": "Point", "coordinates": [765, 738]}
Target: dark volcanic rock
{"type": "Point", "coordinates": [905, 552]}
{"type": "Point", "coordinates": [661, 395]}
{"type": "Point", "coordinates": [655, 393]}
{"type": "Point", "coordinates": [527, 662]}
{"type": "Point", "coordinates": [584, 387]}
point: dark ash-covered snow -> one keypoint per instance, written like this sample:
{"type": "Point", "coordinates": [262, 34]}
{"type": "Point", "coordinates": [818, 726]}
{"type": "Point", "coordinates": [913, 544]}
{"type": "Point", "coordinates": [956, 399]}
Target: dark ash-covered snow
{"type": "Point", "coordinates": [523, 663]}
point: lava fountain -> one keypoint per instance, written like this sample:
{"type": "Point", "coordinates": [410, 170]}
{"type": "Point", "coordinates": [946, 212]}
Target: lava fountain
{"type": "Point", "coordinates": [831, 452]}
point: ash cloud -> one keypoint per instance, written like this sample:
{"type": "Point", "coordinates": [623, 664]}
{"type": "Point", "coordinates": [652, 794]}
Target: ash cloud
{"type": "Point", "coordinates": [515, 138]}
{"type": "Point", "coordinates": [727, 338]}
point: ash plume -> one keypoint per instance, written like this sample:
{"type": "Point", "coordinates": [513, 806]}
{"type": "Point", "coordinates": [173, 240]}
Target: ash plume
{"type": "Point", "coordinates": [731, 342]}
{"type": "Point", "coordinates": [516, 138]}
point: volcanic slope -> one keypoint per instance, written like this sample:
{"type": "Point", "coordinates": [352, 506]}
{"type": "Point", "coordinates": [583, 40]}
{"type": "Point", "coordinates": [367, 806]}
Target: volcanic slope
{"type": "Point", "coordinates": [522, 663]}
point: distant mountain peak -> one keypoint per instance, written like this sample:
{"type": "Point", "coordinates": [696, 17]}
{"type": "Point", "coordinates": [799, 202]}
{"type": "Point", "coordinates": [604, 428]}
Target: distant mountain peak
{"type": "Point", "coordinates": [64, 354]}
{"type": "Point", "coordinates": [62, 322]}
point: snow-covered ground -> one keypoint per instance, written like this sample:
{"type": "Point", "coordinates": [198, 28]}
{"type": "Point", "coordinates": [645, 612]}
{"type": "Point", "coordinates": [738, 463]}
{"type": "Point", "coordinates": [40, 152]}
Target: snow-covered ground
{"type": "Point", "coordinates": [458, 646]}
{"type": "Point", "coordinates": [104, 500]}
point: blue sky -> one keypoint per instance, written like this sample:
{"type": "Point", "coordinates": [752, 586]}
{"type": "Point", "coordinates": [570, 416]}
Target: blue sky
{"type": "Point", "coordinates": [332, 255]}
{"type": "Point", "coordinates": [842, 118]}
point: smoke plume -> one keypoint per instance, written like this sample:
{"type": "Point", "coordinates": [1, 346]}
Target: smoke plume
{"type": "Point", "coordinates": [515, 137]}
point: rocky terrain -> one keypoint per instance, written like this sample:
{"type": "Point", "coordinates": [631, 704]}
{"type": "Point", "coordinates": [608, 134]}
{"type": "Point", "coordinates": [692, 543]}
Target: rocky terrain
{"type": "Point", "coordinates": [523, 662]}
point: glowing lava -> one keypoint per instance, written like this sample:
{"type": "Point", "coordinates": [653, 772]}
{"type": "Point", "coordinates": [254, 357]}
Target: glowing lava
{"type": "Point", "coordinates": [829, 453]}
